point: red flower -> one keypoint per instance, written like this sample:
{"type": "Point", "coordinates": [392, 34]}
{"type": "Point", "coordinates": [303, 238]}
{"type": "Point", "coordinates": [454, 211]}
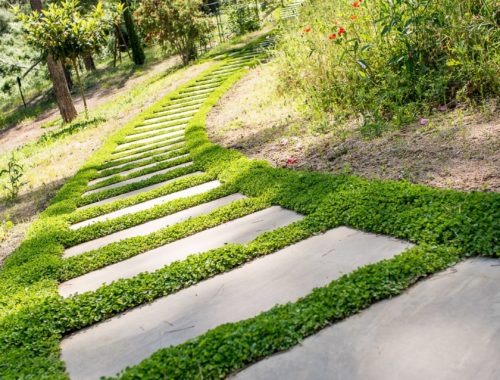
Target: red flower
{"type": "Point", "coordinates": [307, 30]}
{"type": "Point", "coordinates": [356, 4]}
{"type": "Point", "coordinates": [341, 31]}
{"type": "Point", "coordinates": [291, 161]}
{"type": "Point", "coordinates": [332, 36]}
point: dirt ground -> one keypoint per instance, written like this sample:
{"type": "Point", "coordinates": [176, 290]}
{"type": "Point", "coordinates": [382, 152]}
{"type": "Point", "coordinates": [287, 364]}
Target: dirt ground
{"type": "Point", "coordinates": [458, 149]}
{"type": "Point", "coordinates": [31, 130]}
{"type": "Point", "coordinates": [51, 167]}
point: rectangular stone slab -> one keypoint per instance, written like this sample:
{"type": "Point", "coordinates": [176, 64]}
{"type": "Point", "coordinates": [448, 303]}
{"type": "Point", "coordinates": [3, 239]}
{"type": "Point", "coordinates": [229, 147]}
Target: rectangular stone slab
{"type": "Point", "coordinates": [167, 141]}
{"type": "Point", "coordinates": [152, 226]}
{"type": "Point", "coordinates": [141, 160]}
{"type": "Point", "coordinates": [138, 179]}
{"type": "Point", "coordinates": [152, 139]}
{"type": "Point", "coordinates": [175, 145]}
{"type": "Point", "coordinates": [241, 230]}
{"type": "Point", "coordinates": [147, 204]}
{"type": "Point", "coordinates": [446, 328]}
{"type": "Point", "coordinates": [138, 169]}
{"type": "Point", "coordinates": [164, 131]}
{"type": "Point", "coordinates": [282, 277]}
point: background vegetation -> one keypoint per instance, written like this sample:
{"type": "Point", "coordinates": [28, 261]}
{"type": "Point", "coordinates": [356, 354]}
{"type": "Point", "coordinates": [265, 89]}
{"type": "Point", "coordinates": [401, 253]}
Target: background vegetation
{"type": "Point", "coordinates": [390, 62]}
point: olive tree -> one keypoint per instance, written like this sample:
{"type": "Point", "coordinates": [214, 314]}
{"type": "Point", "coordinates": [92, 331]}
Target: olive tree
{"type": "Point", "coordinates": [177, 24]}
{"type": "Point", "coordinates": [63, 32]}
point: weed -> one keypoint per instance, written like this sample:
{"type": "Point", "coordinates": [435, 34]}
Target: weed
{"type": "Point", "coordinates": [14, 173]}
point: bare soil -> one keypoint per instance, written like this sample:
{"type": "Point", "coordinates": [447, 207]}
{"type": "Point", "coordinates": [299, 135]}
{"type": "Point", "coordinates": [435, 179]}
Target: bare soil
{"type": "Point", "coordinates": [459, 149]}
{"type": "Point", "coordinates": [31, 130]}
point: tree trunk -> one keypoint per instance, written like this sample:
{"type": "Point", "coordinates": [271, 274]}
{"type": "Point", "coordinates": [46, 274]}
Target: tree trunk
{"type": "Point", "coordinates": [61, 90]}
{"type": "Point", "coordinates": [137, 51]}
{"type": "Point", "coordinates": [67, 75]}
{"type": "Point", "coordinates": [88, 61]}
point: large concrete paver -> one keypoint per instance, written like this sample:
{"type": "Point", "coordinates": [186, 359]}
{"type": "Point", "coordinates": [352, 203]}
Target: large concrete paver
{"type": "Point", "coordinates": [152, 226]}
{"type": "Point", "coordinates": [138, 179]}
{"type": "Point", "coordinates": [241, 230]}
{"type": "Point", "coordinates": [242, 293]}
{"type": "Point", "coordinates": [166, 141]}
{"type": "Point", "coordinates": [165, 149]}
{"type": "Point", "coordinates": [147, 204]}
{"type": "Point", "coordinates": [134, 170]}
{"type": "Point", "coordinates": [153, 139]}
{"type": "Point", "coordinates": [446, 328]}
{"type": "Point", "coordinates": [141, 160]}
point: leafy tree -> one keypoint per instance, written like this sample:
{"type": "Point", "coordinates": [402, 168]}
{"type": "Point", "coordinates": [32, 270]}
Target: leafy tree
{"type": "Point", "coordinates": [64, 33]}
{"type": "Point", "coordinates": [243, 16]}
{"type": "Point", "coordinates": [177, 24]}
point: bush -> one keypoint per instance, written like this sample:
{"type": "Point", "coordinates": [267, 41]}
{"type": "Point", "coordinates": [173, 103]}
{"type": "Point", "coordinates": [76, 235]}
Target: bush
{"type": "Point", "coordinates": [243, 17]}
{"type": "Point", "coordinates": [177, 24]}
{"type": "Point", "coordinates": [387, 63]}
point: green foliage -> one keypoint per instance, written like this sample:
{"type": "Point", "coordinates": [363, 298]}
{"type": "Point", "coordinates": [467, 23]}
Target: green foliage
{"type": "Point", "coordinates": [177, 24]}
{"type": "Point", "coordinates": [243, 16]}
{"type": "Point", "coordinates": [14, 173]}
{"type": "Point", "coordinates": [389, 62]}
{"type": "Point", "coordinates": [64, 32]}
{"type": "Point", "coordinates": [446, 226]}
{"type": "Point", "coordinates": [5, 226]}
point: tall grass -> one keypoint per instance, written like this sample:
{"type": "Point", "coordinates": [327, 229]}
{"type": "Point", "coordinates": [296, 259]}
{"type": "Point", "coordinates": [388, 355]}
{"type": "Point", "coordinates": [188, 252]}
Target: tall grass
{"type": "Point", "coordinates": [386, 62]}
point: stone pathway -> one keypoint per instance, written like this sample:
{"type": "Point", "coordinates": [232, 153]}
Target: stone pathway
{"type": "Point", "coordinates": [391, 340]}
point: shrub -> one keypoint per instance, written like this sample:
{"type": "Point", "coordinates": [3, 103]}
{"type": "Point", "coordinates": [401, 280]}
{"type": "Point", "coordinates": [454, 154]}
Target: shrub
{"type": "Point", "coordinates": [243, 16]}
{"type": "Point", "coordinates": [177, 24]}
{"type": "Point", "coordinates": [14, 173]}
{"type": "Point", "coordinates": [387, 62]}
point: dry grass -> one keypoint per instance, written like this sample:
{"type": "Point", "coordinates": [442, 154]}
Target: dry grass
{"type": "Point", "coordinates": [459, 149]}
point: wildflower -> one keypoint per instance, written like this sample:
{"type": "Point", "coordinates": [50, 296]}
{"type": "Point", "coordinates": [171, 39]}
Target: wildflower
{"type": "Point", "coordinates": [356, 4]}
{"type": "Point", "coordinates": [424, 121]}
{"type": "Point", "coordinates": [291, 161]}
{"type": "Point", "coordinates": [341, 31]}
{"type": "Point", "coordinates": [307, 30]}
{"type": "Point", "coordinates": [354, 17]}
{"type": "Point", "coordinates": [332, 36]}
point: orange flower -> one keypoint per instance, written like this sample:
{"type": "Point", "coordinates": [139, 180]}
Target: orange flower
{"type": "Point", "coordinates": [332, 36]}
{"type": "Point", "coordinates": [307, 30]}
{"type": "Point", "coordinates": [356, 4]}
{"type": "Point", "coordinates": [354, 17]}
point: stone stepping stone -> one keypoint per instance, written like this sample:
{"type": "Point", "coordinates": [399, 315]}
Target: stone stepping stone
{"type": "Point", "coordinates": [285, 276]}
{"type": "Point", "coordinates": [152, 131]}
{"type": "Point", "coordinates": [137, 179]}
{"type": "Point", "coordinates": [134, 170]}
{"type": "Point", "coordinates": [146, 204]}
{"type": "Point", "coordinates": [150, 227]}
{"type": "Point", "coordinates": [163, 124]}
{"type": "Point", "coordinates": [180, 105]}
{"type": "Point", "coordinates": [167, 148]}
{"type": "Point", "coordinates": [190, 97]}
{"type": "Point", "coordinates": [155, 121]}
{"type": "Point", "coordinates": [138, 161]}
{"type": "Point", "coordinates": [155, 139]}
{"type": "Point", "coordinates": [145, 147]}
{"type": "Point", "coordinates": [196, 92]}
{"type": "Point", "coordinates": [446, 327]}
{"type": "Point", "coordinates": [170, 118]}
{"type": "Point", "coordinates": [241, 230]}
{"type": "Point", "coordinates": [186, 111]}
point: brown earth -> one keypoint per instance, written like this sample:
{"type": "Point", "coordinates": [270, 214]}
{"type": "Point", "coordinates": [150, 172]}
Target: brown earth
{"type": "Point", "coordinates": [459, 149]}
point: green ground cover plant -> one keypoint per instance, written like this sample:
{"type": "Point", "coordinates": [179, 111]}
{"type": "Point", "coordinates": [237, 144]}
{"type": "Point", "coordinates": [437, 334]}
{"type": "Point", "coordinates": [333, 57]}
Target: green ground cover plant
{"type": "Point", "coordinates": [388, 63]}
{"type": "Point", "coordinates": [445, 225]}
